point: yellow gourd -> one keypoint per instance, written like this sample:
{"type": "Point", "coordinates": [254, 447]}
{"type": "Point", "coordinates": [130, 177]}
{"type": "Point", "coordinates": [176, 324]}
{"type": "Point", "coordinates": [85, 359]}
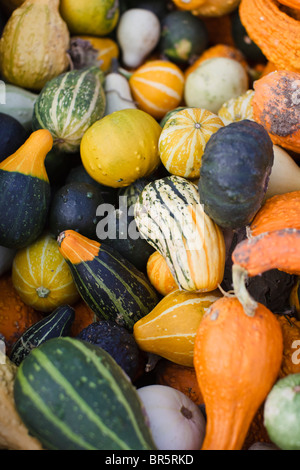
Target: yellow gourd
{"type": "Point", "coordinates": [34, 44]}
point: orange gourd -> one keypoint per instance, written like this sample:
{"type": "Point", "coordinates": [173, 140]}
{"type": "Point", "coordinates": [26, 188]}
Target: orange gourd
{"type": "Point", "coordinates": [276, 106]}
{"type": "Point", "coordinates": [208, 7]}
{"type": "Point", "coordinates": [278, 212]}
{"type": "Point", "coordinates": [290, 328]}
{"type": "Point", "coordinates": [237, 360]}
{"type": "Point", "coordinates": [219, 50]}
{"type": "Point", "coordinates": [15, 316]}
{"type": "Point", "coordinates": [182, 378]}
{"type": "Point", "coordinates": [84, 316]}
{"type": "Point", "coordinates": [157, 87]}
{"type": "Point", "coordinates": [290, 3]}
{"type": "Point", "coordinates": [275, 32]}
{"type": "Point", "coordinates": [279, 249]}
{"type": "Point", "coordinates": [159, 274]}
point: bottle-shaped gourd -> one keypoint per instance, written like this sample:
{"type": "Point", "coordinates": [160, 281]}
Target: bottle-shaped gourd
{"type": "Point", "coordinates": [25, 192]}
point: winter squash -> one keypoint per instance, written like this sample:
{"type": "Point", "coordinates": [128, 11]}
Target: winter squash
{"type": "Point", "coordinates": [159, 274]}
{"type": "Point", "coordinates": [34, 44]}
{"type": "Point", "coordinates": [121, 147]}
{"type": "Point", "coordinates": [237, 109]}
{"type": "Point", "coordinates": [276, 106]}
{"type": "Point", "coordinates": [276, 33]}
{"type": "Point", "coordinates": [169, 329]}
{"type": "Point", "coordinates": [235, 385]}
{"type": "Point", "coordinates": [181, 377]}
{"type": "Point", "coordinates": [157, 87]}
{"type": "Point", "coordinates": [138, 33]}
{"type": "Point", "coordinates": [215, 81]}
{"type": "Point", "coordinates": [175, 421]}
{"type": "Point", "coordinates": [279, 249]}
{"type": "Point", "coordinates": [191, 243]}
{"type": "Point", "coordinates": [41, 276]}
{"type": "Point", "coordinates": [278, 212]}
{"type": "Point", "coordinates": [15, 315]}
{"type": "Point", "coordinates": [218, 50]}
{"type": "Point", "coordinates": [183, 140]}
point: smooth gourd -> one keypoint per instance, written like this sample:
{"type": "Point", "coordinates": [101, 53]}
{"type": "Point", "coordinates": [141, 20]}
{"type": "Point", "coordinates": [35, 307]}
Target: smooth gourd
{"type": "Point", "coordinates": [138, 33]}
{"type": "Point", "coordinates": [19, 103]}
{"type": "Point", "coordinates": [285, 174]}
{"type": "Point", "coordinates": [118, 93]}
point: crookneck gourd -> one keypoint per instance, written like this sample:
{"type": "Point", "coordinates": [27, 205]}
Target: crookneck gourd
{"type": "Point", "coordinates": [278, 249]}
{"type": "Point", "coordinates": [169, 215]}
{"type": "Point", "coordinates": [276, 32]}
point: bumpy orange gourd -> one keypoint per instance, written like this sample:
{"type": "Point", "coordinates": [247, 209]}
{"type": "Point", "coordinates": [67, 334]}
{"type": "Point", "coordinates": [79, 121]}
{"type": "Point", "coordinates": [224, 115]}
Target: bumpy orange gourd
{"type": "Point", "coordinates": [159, 274]}
{"type": "Point", "coordinates": [237, 360]}
{"type": "Point", "coordinates": [219, 50]}
{"type": "Point", "coordinates": [182, 378]}
{"type": "Point", "coordinates": [279, 249]}
{"type": "Point", "coordinates": [290, 327]}
{"type": "Point", "coordinates": [15, 316]}
{"type": "Point", "coordinates": [276, 106]}
{"type": "Point", "coordinates": [275, 32]}
{"type": "Point", "coordinates": [157, 87]}
{"type": "Point", "coordinates": [278, 212]}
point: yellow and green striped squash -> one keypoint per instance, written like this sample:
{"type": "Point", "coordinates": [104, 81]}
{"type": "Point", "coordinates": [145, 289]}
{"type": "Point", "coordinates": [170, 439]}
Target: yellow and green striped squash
{"type": "Point", "coordinates": [170, 329]}
{"type": "Point", "coordinates": [237, 109]}
{"type": "Point", "coordinates": [157, 87]}
{"type": "Point", "coordinates": [183, 140]}
{"type": "Point", "coordinates": [170, 216]}
{"type": "Point", "coordinates": [68, 105]}
{"type": "Point", "coordinates": [42, 277]}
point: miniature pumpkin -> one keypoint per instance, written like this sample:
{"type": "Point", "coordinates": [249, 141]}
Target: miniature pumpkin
{"type": "Point", "coordinates": [159, 274]}
{"type": "Point", "coordinates": [234, 385]}
{"type": "Point", "coordinates": [182, 378]}
{"type": "Point", "coordinates": [157, 87]}
{"type": "Point", "coordinates": [42, 277]}
{"type": "Point", "coordinates": [276, 105]}
{"type": "Point", "coordinates": [278, 212]}
{"type": "Point", "coordinates": [279, 249]}
{"type": "Point", "coordinates": [219, 50]}
{"type": "Point", "coordinates": [15, 315]}
{"type": "Point", "coordinates": [275, 33]}
{"type": "Point", "coordinates": [183, 140]}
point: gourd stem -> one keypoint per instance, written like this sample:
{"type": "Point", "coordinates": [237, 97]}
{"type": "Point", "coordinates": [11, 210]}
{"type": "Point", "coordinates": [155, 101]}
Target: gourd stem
{"type": "Point", "coordinates": [42, 292]}
{"type": "Point", "coordinates": [125, 73]}
{"type": "Point", "coordinates": [239, 276]}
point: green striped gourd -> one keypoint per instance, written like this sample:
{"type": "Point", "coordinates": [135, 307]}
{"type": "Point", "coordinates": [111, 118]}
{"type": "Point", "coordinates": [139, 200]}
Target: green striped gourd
{"type": "Point", "coordinates": [25, 192]}
{"type": "Point", "coordinates": [170, 216]}
{"type": "Point", "coordinates": [72, 395]}
{"type": "Point", "coordinates": [183, 139]}
{"type": "Point", "coordinates": [68, 105]}
{"type": "Point", "coordinates": [57, 324]}
{"type": "Point", "coordinates": [109, 284]}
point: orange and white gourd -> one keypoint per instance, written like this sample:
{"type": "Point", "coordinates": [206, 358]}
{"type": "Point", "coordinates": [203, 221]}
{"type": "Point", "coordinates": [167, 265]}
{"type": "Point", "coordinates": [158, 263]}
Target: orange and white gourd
{"type": "Point", "coordinates": [157, 87]}
{"type": "Point", "coordinates": [184, 138]}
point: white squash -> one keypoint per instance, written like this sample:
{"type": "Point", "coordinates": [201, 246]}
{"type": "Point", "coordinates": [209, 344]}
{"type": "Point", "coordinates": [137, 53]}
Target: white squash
{"type": "Point", "coordinates": [214, 82]}
{"type": "Point", "coordinates": [6, 259]}
{"type": "Point", "coordinates": [285, 175]}
{"type": "Point", "coordinates": [118, 94]}
{"type": "Point", "coordinates": [138, 34]}
{"type": "Point", "coordinates": [175, 421]}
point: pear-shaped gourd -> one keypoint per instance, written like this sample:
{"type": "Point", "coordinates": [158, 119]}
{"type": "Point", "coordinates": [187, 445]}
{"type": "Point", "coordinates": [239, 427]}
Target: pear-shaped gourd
{"type": "Point", "coordinates": [138, 33]}
{"type": "Point", "coordinates": [34, 44]}
{"type": "Point", "coordinates": [25, 192]}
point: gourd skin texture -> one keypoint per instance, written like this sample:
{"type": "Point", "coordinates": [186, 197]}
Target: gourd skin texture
{"type": "Point", "coordinates": [237, 360]}
{"type": "Point", "coordinates": [276, 33]}
{"type": "Point", "coordinates": [34, 44]}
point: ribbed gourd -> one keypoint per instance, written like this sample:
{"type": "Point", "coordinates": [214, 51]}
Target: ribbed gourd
{"type": "Point", "coordinates": [68, 105]}
{"type": "Point", "coordinates": [170, 216]}
{"type": "Point", "coordinates": [34, 44]}
{"type": "Point", "coordinates": [25, 191]}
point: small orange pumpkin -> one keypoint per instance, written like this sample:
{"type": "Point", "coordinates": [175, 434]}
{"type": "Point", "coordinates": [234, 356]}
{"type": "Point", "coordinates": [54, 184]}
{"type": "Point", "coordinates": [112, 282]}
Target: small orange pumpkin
{"type": "Point", "coordinates": [235, 368]}
{"type": "Point", "coordinates": [159, 274]}
{"type": "Point", "coordinates": [276, 106]}
{"type": "Point", "coordinates": [157, 87]}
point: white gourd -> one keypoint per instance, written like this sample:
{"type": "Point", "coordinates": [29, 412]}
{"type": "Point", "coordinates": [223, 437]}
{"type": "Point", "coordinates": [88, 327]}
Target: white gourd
{"type": "Point", "coordinates": [138, 34]}
{"type": "Point", "coordinates": [118, 94]}
{"type": "Point", "coordinates": [285, 175]}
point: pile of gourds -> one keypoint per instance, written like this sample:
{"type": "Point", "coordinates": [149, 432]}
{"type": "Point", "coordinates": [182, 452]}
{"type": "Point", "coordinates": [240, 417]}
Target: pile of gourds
{"type": "Point", "coordinates": [150, 225]}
